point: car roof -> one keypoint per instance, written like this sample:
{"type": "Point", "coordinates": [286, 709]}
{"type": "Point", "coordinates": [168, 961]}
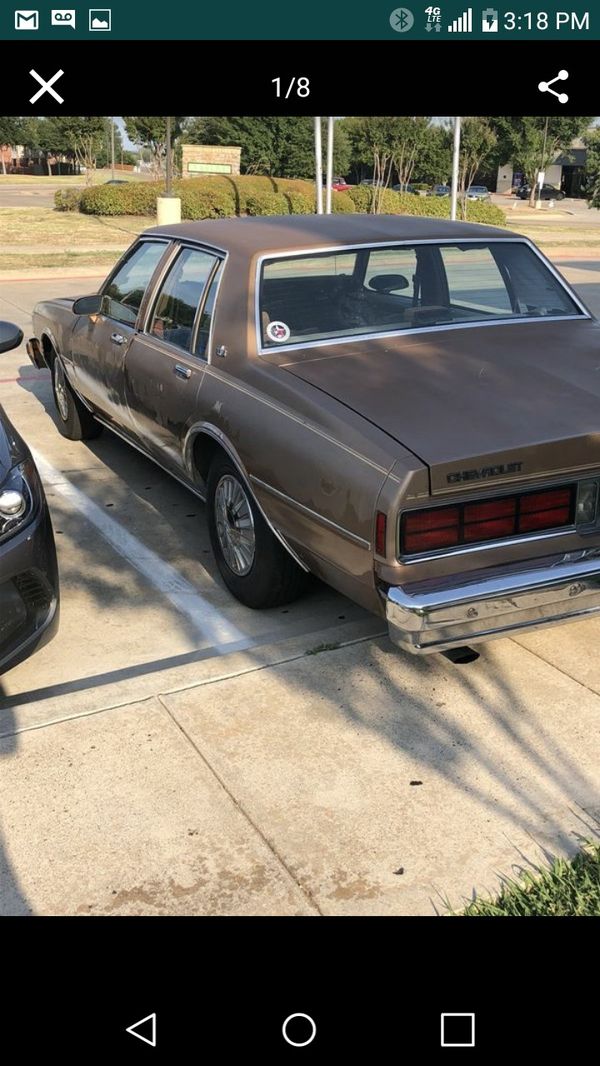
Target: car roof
{"type": "Point", "coordinates": [278, 233]}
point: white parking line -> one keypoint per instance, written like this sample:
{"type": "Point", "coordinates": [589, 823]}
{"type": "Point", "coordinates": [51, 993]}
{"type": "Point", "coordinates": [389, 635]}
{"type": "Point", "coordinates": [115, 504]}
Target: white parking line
{"type": "Point", "coordinates": [210, 624]}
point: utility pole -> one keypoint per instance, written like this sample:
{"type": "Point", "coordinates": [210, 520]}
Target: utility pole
{"type": "Point", "coordinates": [319, 165]}
{"type": "Point", "coordinates": [330, 122]}
{"type": "Point", "coordinates": [112, 146]}
{"type": "Point", "coordinates": [169, 188]}
{"type": "Point", "coordinates": [455, 162]}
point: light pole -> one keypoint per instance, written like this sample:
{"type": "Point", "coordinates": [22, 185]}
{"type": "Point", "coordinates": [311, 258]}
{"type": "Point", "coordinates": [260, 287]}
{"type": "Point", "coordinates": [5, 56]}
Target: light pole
{"type": "Point", "coordinates": [319, 165]}
{"type": "Point", "coordinates": [455, 162]}
{"type": "Point", "coordinates": [112, 146]}
{"type": "Point", "coordinates": [330, 122]}
{"type": "Point", "coordinates": [169, 182]}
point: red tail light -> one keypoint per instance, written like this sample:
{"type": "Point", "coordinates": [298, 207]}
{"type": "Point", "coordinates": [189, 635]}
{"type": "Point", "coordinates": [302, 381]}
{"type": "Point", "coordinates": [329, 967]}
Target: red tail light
{"type": "Point", "coordinates": [472, 523]}
{"type": "Point", "coordinates": [380, 532]}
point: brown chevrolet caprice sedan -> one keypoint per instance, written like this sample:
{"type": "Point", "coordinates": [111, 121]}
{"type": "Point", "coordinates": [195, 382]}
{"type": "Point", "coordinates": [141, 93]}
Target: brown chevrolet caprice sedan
{"type": "Point", "coordinates": [408, 408]}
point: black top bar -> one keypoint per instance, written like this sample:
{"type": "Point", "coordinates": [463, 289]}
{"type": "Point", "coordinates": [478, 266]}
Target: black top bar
{"type": "Point", "coordinates": [344, 77]}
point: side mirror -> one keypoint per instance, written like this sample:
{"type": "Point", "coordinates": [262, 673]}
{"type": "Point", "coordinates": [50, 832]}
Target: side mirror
{"type": "Point", "coordinates": [88, 305]}
{"type": "Point", "coordinates": [10, 336]}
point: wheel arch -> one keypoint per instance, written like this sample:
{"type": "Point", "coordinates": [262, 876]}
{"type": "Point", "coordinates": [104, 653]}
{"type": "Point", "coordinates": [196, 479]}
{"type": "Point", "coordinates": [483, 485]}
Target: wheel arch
{"type": "Point", "coordinates": [203, 443]}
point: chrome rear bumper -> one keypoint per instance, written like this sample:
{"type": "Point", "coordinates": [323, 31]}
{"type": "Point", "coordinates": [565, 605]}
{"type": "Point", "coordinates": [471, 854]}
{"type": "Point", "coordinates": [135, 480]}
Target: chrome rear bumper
{"type": "Point", "coordinates": [430, 617]}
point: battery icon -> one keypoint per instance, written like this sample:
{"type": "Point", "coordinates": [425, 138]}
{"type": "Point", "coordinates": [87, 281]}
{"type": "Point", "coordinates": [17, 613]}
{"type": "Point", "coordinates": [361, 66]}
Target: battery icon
{"type": "Point", "coordinates": [489, 21]}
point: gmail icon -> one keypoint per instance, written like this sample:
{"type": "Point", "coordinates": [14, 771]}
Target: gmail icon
{"type": "Point", "coordinates": [27, 20]}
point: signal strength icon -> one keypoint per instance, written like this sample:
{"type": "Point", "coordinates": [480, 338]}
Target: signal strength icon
{"type": "Point", "coordinates": [463, 24]}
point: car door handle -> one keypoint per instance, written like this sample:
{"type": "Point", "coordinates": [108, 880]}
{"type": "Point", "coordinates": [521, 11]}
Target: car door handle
{"type": "Point", "coordinates": [117, 338]}
{"type": "Point", "coordinates": [183, 371]}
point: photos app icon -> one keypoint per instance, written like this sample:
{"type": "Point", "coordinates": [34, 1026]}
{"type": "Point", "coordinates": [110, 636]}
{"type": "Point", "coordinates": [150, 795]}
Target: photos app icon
{"type": "Point", "coordinates": [100, 19]}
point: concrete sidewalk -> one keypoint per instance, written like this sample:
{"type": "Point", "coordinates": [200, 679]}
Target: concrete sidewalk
{"type": "Point", "coordinates": [353, 781]}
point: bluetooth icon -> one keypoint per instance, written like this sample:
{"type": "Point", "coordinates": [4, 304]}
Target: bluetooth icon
{"type": "Point", "coordinates": [401, 19]}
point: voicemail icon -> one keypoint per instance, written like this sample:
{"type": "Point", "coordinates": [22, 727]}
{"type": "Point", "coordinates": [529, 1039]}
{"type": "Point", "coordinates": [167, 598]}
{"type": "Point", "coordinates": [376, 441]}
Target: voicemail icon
{"type": "Point", "coordinates": [27, 20]}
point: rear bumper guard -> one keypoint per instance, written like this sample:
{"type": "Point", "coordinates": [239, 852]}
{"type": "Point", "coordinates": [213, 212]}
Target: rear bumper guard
{"type": "Point", "coordinates": [34, 351]}
{"type": "Point", "coordinates": [435, 618]}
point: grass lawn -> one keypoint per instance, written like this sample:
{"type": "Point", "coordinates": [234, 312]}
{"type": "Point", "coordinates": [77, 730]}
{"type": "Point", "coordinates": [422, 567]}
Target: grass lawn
{"type": "Point", "coordinates": [566, 888]}
{"type": "Point", "coordinates": [65, 230]}
{"type": "Point", "coordinates": [27, 261]}
{"type": "Point", "coordinates": [551, 233]}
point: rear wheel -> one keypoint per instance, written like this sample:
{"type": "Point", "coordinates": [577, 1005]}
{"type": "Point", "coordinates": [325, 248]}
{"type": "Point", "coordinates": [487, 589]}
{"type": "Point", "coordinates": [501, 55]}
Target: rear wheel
{"type": "Point", "coordinates": [253, 563]}
{"type": "Point", "coordinates": [74, 419]}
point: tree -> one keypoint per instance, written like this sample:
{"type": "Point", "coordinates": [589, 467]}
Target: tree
{"type": "Point", "coordinates": [477, 141]}
{"type": "Point", "coordinates": [281, 147]}
{"type": "Point", "coordinates": [433, 162]}
{"type": "Point", "coordinates": [389, 145]}
{"type": "Point", "coordinates": [409, 137]}
{"type": "Point", "coordinates": [9, 133]}
{"type": "Point", "coordinates": [592, 168]}
{"type": "Point", "coordinates": [81, 137]}
{"type": "Point", "coordinates": [151, 132]}
{"type": "Point", "coordinates": [532, 142]}
{"type": "Point", "coordinates": [42, 136]}
{"type": "Point", "coordinates": [372, 142]}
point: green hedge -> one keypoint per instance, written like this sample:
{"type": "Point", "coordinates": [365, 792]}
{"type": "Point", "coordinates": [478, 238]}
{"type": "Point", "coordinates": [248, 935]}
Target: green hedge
{"type": "Point", "coordinates": [67, 199]}
{"type": "Point", "coordinates": [361, 196]}
{"type": "Point", "coordinates": [217, 196]}
{"type": "Point", "coordinates": [267, 203]}
{"type": "Point", "coordinates": [342, 204]}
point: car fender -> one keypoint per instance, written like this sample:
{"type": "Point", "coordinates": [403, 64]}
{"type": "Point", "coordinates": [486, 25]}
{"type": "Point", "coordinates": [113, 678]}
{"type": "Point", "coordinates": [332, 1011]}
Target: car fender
{"type": "Point", "coordinates": [207, 429]}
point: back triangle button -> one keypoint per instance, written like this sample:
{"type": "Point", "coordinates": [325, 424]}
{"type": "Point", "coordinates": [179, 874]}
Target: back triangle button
{"type": "Point", "coordinates": [145, 1029]}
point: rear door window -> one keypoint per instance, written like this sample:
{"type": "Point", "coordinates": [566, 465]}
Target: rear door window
{"type": "Point", "coordinates": [180, 296]}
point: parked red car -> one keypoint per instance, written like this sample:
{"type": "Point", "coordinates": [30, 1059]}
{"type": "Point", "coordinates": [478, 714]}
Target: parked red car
{"type": "Point", "coordinates": [339, 184]}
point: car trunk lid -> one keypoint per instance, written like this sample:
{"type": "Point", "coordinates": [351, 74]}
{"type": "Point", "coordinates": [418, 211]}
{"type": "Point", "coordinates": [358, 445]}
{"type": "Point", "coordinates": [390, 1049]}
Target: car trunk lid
{"type": "Point", "coordinates": [486, 404]}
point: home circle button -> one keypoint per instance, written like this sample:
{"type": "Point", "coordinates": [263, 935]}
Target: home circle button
{"type": "Point", "coordinates": [299, 1030]}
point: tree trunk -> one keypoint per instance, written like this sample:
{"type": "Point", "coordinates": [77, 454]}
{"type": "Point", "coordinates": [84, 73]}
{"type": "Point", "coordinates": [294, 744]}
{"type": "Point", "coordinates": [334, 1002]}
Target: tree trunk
{"type": "Point", "coordinates": [3, 165]}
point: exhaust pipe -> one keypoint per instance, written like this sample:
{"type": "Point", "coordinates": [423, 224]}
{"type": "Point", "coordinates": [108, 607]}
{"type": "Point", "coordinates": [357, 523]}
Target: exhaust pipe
{"type": "Point", "coordinates": [461, 655]}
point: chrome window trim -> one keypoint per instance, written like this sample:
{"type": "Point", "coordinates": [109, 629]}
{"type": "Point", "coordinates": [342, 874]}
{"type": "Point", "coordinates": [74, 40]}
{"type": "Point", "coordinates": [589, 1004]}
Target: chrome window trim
{"type": "Point", "coordinates": [196, 242]}
{"type": "Point", "coordinates": [207, 359]}
{"type": "Point", "coordinates": [347, 533]}
{"type": "Point", "coordinates": [361, 337]}
{"type": "Point", "coordinates": [170, 261]}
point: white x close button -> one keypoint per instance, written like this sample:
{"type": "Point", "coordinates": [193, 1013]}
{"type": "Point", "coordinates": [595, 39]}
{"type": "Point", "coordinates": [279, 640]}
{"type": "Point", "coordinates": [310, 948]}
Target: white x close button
{"type": "Point", "coordinates": [46, 86]}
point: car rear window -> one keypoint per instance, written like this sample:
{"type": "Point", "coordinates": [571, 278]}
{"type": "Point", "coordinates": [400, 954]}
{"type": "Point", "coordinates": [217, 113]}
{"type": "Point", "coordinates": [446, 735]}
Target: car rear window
{"type": "Point", "coordinates": [341, 294]}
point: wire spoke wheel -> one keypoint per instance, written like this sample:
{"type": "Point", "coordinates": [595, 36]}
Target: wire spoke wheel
{"type": "Point", "coordinates": [60, 391]}
{"type": "Point", "coordinates": [235, 525]}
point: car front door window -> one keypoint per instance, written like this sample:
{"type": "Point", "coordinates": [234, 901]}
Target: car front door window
{"type": "Point", "coordinates": [122, 297]}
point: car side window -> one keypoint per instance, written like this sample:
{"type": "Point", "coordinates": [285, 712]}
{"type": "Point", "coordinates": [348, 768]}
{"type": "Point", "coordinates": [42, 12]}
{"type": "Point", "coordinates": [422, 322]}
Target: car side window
{"type": "Point", "coordinates": [206, 316]}
{"type": "Point", "coordinates": [178, 300]}
{"type": "Point", "coordinates": [124, 293]}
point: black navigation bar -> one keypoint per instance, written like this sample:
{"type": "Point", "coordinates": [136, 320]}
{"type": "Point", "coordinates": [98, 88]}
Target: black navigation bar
{"type": "Point", "coordinates": [300, 78]}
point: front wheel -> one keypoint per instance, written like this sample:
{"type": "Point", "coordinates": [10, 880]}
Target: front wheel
{"type": "Point", "coordinates": [253, 563]}
{"type": "Point", "coordinates": [74, 420]}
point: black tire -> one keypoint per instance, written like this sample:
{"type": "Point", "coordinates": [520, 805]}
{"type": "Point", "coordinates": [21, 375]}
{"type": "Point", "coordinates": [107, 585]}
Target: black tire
{"type": "Point", "coordinates": [273, 577]}
{"type": "Point", "coordinates": [74, 420]}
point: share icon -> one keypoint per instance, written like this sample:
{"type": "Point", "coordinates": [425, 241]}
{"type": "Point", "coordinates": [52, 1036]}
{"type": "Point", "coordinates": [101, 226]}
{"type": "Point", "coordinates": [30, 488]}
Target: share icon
{"type": "Point", "coordinates": [544, 86]}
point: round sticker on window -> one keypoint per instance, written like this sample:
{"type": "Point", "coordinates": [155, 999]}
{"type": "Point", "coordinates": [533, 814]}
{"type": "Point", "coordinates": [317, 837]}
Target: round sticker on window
{"type": "Point", "coordinates": [278, 331]}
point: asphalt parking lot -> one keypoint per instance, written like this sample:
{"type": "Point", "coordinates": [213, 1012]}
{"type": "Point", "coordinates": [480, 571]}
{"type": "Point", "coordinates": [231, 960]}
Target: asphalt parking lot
{"type": "Point", "coordinates": [172, 752]}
